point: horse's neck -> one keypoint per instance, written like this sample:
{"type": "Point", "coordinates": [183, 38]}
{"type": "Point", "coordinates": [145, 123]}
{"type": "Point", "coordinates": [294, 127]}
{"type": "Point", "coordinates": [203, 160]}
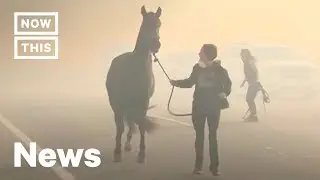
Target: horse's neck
{"type": "Point", "coordinates": [143, 59]}
{"type": "Point", "coordinates": [141, 49]}
{"type": "Point", "coordinates": [142, 52]}
{"type": "Point", "coordinates": [149, 64]}
{"type": "Point", "coordinates": [144, 63]}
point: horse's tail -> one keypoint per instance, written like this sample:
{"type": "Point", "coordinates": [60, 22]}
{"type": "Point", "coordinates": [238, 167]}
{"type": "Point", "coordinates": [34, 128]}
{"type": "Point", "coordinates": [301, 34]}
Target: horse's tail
{"type": "Point", "coordinates": [151, 107]}
{"type": "Point", "coordinates": [150, 124]}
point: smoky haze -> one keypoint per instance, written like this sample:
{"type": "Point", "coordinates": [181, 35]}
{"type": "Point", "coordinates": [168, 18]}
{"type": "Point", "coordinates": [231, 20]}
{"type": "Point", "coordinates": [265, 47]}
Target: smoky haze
{"type": "Point", "coordinates": [282, 35]}
{"type": "Point", "coordinates": [92, 33]}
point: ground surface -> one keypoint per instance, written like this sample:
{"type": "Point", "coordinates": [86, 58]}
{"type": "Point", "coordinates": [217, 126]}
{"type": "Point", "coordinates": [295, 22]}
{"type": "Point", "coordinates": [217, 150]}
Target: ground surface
{"type": "Point", "coordinates": [269, 150]}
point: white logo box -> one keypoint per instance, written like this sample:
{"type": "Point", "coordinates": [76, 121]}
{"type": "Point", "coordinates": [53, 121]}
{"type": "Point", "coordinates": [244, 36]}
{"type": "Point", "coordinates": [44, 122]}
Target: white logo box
{"type": "Point", "coordinates": [36, 14]}
{"type": "Point", "coordinates": [56, 50]}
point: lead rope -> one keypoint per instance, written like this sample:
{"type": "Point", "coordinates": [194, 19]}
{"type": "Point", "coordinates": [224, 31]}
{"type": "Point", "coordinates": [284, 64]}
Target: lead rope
{"type": "Point", "coordinates": [265, 99]}
{"type": "Point", "coordinates": [172, 89]}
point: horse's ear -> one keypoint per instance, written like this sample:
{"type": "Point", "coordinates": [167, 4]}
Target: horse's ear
{"type": "Point", "coordinates": [143, 10]}
{"type": "Point", "coordinates": [159, 11]}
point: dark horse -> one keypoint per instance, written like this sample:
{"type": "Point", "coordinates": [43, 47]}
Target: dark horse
{"type": "Point", "coordinates": [130, 84]}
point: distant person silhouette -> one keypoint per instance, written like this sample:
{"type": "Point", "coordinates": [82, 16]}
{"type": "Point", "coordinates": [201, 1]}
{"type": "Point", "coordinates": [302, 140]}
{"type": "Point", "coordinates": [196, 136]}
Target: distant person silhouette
{"type": "Point", "coordinates": [252, 78]}
{"type": "Point", "coordinates": [212, 86]}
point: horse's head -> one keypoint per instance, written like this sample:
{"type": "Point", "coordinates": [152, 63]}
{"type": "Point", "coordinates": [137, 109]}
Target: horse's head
{"type": "Point", "coordinates": [150, 28]}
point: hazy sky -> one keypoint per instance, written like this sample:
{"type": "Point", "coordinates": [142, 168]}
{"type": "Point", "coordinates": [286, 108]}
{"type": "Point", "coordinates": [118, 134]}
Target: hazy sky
{"type": "Point", "coordinates": [91, 30]}
{"type": "Point", "coordinates": [98, 24]}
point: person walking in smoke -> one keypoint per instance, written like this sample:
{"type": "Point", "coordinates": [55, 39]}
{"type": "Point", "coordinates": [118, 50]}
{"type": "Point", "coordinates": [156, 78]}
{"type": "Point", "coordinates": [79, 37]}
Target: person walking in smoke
{"type": "Point", "coordinates": [212, 87]}
{"type": "Point", "coordinates": [252, 78]}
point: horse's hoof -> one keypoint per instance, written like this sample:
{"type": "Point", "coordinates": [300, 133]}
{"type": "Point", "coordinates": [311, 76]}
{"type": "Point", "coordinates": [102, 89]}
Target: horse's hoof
{"type": "Point", "coordinates": [117, 157]}
{"type": "Point", "coordinates": [128, 147]}
{"type": "Point", "coordinates": [141, 158]}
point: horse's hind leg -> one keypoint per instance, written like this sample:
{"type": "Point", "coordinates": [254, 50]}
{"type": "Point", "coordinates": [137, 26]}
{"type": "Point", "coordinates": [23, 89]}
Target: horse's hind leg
{"type": "Point", "coordinates": [131, 130]}
{"type": "Point", "coordinates": [142, 151]}
{"type": "Point", "coordinates": [120, 129]}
